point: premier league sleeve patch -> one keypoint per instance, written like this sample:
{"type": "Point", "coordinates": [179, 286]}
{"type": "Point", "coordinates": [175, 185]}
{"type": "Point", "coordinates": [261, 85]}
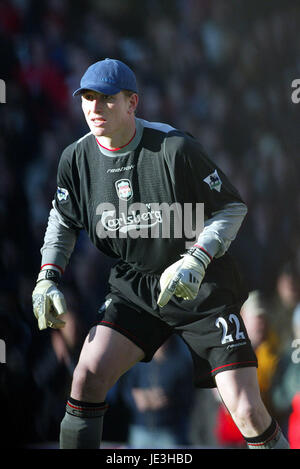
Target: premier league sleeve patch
{"type": "Point", "coordinates": [62, 194]}
{"type": "Point", "coordinates": [214, 181]}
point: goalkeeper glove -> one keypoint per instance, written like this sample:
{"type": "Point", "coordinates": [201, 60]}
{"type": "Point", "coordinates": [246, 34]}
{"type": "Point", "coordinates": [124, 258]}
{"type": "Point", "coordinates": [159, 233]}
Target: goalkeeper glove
{"type": "Point", "coordinates": [184, 277]}
{"type": "Point", "coordinates": [48, 301]}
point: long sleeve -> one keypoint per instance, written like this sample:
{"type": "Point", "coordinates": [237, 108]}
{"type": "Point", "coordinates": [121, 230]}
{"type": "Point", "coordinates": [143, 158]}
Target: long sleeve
{"type": "Point", "coordinates": [59, 240]}
{"type": "Point", "coordinates": [201, 181]}
{"type": "Point", "coordinates": [221, 228]}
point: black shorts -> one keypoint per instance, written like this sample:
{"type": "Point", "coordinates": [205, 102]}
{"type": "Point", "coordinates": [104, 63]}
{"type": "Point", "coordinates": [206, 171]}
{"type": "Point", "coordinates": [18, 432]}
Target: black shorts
{"type": "Point", "coordinates": [210, 325]}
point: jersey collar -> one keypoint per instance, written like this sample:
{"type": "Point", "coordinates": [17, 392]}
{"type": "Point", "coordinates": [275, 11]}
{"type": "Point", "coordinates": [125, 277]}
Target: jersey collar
{"type": "Point", "coordinates": [130, 146]}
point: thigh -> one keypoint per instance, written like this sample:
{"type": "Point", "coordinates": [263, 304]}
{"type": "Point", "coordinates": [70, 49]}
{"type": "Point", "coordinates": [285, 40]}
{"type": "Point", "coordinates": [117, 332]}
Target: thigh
{"type": "Point", "coordinates": [105, 356]}
{"type": "Point", "coordinates": [107, 348]}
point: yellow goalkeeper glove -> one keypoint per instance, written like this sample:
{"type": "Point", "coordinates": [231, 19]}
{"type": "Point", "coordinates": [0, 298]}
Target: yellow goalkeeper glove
{"type": "Point", "coordinates": [184, 277]}
{"type": "Point", "coordinates": [48, 302]}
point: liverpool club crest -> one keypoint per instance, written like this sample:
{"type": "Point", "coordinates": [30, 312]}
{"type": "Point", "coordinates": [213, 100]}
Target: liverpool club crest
{"type": "Point", "coordinates": [124, 189]}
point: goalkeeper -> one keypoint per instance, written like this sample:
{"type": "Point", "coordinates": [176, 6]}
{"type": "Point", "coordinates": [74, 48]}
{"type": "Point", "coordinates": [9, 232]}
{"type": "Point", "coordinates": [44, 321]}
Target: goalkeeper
{"type": "Point", "coordinates": [110, 183]}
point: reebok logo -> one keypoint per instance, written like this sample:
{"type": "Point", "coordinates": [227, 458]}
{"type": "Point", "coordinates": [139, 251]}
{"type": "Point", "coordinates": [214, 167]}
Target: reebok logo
{"type": "Point", "coordinates": [122, 168]}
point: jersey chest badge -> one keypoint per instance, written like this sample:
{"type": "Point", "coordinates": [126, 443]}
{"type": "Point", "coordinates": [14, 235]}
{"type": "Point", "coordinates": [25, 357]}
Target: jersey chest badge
{"type": "Point", "coordinates": [124, 189]}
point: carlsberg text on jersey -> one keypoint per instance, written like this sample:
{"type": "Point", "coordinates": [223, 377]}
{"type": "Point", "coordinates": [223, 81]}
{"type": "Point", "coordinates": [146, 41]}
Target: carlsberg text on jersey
{"type": "Point", "coordinates": [150, 220]}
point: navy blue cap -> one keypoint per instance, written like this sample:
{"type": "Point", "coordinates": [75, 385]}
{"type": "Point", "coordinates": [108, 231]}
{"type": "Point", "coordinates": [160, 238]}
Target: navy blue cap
{"type": "Point", "coordinates": [108, 76]}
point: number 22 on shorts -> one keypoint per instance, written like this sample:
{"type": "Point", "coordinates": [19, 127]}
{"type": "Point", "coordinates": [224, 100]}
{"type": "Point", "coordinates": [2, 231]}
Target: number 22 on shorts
{"type": "Point", "coordinates": [226, 338]}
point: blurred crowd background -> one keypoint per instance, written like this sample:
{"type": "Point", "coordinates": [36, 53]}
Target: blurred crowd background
{"type": "Point", "coordinates": [221, 70]}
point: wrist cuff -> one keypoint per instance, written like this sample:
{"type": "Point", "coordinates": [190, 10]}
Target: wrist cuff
{"type": "Point", "coordinates": [200, 254]}
{"type": "Point", "coordinates": [52, 267]}
{"type": "Point", "coordinates": [49, 274]}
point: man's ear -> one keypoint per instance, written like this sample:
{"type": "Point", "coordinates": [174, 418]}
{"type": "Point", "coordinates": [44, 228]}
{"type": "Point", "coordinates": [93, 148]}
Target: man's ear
{"type": "Point", "coordinates": [133, 100]}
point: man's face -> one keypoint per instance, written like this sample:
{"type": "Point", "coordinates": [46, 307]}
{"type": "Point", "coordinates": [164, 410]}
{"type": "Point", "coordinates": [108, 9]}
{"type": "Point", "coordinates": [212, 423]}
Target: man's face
{"type": "Point", "coordinates": [106, 115]}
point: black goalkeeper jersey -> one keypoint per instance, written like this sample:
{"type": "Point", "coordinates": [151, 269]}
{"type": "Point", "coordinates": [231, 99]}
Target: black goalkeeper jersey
{"type": "Point", "coordinates": [140, 203]}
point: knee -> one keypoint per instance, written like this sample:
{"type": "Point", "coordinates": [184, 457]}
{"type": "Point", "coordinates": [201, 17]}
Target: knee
{"type": "Point", "coordinates": [241, 395]}
{"type": "Point", "coordinates": [248, 414]}
{"type": "Point", "coordinates": [91, 385]}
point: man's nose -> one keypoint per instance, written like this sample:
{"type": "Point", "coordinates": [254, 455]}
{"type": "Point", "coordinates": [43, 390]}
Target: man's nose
{"type": "Point", "coordinates": [96, 105]}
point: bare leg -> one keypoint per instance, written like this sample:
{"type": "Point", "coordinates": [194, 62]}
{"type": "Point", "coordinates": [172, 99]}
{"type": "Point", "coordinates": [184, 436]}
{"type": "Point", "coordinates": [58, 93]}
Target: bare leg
{"type": "Point", "coordinates": [105, 356]}
{"type": "Point", "coordinates": [240, 393]}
